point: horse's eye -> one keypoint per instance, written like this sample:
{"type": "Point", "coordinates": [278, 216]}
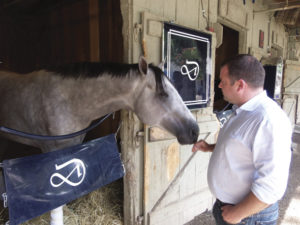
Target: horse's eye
{"type": "Point", "coordinates": [150, 86]}
{"type": "Point", "coordinates": [162, 94]}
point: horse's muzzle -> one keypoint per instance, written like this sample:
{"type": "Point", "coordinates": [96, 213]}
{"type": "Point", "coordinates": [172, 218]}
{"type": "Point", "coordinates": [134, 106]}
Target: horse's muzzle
{"type": "Point", "coordinates": [186, 131]}
{"type": "Point", "coordinates": [190, 135]}
{"type": "Point", "coordinates": [194, 133]}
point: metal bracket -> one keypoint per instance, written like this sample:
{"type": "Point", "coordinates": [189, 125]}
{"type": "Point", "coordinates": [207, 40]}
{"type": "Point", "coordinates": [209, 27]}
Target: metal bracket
{"type": "Point", "coordinates": [136, 30]}
{"type": "Point", "coordinates": [138, 135]}
{"type": "Point", "coordinates": [139, 219]}
{"type": "Point", "coordinates": [4, 196]}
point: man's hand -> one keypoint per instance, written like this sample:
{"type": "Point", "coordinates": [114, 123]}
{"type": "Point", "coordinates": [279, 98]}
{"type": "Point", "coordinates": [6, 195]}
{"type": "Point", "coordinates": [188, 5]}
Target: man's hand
{"type": "Point", "coordinates": [230, 215]}
{"type": "Point", "coordinates": [203, 146]}
{"type": "Point", "coordinates": [248, 206]}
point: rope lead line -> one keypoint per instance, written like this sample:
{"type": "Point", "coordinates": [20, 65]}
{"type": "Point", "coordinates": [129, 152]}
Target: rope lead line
{"type": "Point", "coordinates": [51, 138]}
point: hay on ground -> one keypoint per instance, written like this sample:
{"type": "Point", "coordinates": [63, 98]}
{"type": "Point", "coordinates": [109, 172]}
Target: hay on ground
{"type": "Point", "coordinates": [103, 206]}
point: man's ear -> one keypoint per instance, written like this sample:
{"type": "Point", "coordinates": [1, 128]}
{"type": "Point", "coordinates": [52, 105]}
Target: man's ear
{"type": "Point", "coordinates": [143, 65]}
{"type": "Point", "coordinates": [241, 84]}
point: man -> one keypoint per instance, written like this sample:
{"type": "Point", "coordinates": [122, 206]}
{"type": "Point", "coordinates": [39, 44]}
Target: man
{"type": "Point", "coordinates": [249, 167]}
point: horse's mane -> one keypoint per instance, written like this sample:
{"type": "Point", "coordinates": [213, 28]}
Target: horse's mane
{"type": "Point", "coordinates": [95, 69]}
{"type": "Point", "coordinates": [91, 69]}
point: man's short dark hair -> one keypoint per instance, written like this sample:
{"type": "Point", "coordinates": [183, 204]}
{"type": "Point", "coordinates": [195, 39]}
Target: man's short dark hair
{"type": "Point", "coordinates": [248, 68]}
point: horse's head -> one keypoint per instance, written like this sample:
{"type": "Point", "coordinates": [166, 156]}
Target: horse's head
{"type": "Point", "coordinates": [159, 104]}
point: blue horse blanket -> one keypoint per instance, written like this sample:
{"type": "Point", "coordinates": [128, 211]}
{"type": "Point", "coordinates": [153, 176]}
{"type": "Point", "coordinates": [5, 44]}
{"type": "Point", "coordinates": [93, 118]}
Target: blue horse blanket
{"type": "Point", "coordinates": [39, 183]}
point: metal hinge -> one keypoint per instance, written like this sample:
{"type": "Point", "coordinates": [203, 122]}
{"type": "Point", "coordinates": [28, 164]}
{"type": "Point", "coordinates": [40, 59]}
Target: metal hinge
{"type": "Point", "coordinates": [139, 219]}
{"type": "Point", "coordinates": [140, 134]}
{"type": "Point", "coordinates": [4, 196]}
{"type": "Point", "coordinates": [136, 31]}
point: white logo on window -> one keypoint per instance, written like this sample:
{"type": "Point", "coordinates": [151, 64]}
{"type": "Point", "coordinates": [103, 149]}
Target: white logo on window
{"type": "Point", "coordinates": [193, 72]}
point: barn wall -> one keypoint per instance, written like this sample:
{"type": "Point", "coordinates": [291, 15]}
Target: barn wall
{"type": "Point", "coordinates": [245, 19]}
{"type": "Point", "coordinates": [49, 37]}
{"type": "Point", "coordinates": [292, 75]}
{"type": "Point", "coordinates": [291, 86]}
{"type": "Point", "coordinates": [275, 36]}
{"type": "Point", "coordinates": [72, 31]}
{"type": "Point", "coordinates": [189, 13]}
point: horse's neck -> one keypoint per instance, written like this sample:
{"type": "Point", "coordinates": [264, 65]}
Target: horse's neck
{"type": "Point", "coordinates": [95, 97]}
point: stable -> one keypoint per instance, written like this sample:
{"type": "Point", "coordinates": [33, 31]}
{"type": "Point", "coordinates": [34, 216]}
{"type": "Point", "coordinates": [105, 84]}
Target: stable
{"type": "Point", "coordinates": [164, 182]}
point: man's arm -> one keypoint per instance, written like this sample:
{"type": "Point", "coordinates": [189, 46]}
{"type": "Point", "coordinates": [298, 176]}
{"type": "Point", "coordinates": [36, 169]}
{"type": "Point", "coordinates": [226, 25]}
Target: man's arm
{"type": "Point", "coordinates": [249, 206]}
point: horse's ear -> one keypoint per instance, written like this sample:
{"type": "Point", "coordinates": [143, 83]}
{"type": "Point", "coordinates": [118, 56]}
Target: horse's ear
{"type": "Point", "coordinates": [162, 64]}
{"type": "Point", "coordinates": [143, 65]}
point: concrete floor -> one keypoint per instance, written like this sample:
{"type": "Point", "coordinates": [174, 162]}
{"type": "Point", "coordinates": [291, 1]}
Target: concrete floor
{"type": "Point", "coordinates": [289, 206]}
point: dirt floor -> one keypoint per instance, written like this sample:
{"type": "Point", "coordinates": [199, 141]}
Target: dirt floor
{"type": "Point", "coordinates": [289, 206]}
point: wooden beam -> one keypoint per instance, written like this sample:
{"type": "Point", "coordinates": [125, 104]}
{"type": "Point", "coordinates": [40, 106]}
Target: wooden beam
{"type": "Point", "coordinates": [277, 9]}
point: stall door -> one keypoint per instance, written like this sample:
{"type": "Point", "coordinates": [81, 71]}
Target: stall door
{"type": "Point", "coordinates": [291, 87]}
{"type": "Point", "coordinates": [175, 187]}
{"type": "Point", "coordinates": [289, 105]}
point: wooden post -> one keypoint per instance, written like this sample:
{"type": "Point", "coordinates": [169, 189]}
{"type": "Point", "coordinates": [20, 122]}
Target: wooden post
{"type": "Point", "coordinates": [132, 156]}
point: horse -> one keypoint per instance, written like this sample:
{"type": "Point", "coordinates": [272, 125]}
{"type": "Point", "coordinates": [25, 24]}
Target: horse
{"type": "Point", "coordinates": [64, 99]}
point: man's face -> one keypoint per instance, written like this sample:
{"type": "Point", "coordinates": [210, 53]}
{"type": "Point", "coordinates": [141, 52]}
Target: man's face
{"type": "Point", "coordinates": [229, 90]}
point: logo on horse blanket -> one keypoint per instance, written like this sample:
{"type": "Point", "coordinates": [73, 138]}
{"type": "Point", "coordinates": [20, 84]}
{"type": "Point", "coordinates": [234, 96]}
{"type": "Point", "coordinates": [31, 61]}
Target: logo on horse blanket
{"type": "Point", "coordinates": [79, 167]}
{"type": "Point", "coordinates": [40, 183]}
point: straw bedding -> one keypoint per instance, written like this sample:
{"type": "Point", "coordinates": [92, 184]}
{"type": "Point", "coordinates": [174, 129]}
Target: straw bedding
{"type": "Point", "coordinates": [101, 207]}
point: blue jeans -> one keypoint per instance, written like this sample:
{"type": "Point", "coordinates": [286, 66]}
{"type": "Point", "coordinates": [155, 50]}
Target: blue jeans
{"type": "Point", "coordinates": [268, 216]}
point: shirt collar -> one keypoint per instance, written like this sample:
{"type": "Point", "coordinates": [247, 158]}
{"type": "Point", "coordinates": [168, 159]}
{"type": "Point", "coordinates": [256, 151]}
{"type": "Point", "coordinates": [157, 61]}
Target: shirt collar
{"type": "Point", "coordinates": [251, 104]}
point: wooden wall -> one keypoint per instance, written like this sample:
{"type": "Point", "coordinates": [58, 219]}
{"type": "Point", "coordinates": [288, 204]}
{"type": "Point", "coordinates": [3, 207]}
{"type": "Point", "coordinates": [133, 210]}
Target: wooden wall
{"type": "Point", "coordinates": [60, 33]}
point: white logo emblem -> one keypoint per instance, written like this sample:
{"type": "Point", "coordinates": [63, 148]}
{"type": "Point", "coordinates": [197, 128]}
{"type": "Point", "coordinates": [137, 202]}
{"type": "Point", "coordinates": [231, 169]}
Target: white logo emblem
{"type": "Point", "coordinates": [79, 167]}
{"type": "Point", "coordinates": [186, 71]}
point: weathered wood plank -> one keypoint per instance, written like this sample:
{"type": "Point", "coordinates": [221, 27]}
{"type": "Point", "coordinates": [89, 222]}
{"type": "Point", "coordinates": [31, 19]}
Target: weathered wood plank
{"type": "Point", "coordinates": [151, 40]}
{"type": "Point", "coordinates": [290, 106]}
{"type": "Point", "coordinates": [187, 13]}
{"type": "Point", "coordinates": [157, 134]}
{"type": "Point", "coordinates": [234, 11]}
{"type": "Point", "coordinates": [132, 155]}
{"type": "Point", "coordinates": [182, 211]}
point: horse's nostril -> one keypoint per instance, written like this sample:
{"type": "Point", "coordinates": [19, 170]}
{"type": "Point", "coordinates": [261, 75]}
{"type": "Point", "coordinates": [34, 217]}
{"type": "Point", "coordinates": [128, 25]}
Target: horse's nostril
{"type": "Point", "coordinates": [194, 133]}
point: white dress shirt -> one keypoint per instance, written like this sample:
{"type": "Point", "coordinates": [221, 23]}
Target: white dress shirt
{"type": "Point", "coordinates": [252, 153]}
